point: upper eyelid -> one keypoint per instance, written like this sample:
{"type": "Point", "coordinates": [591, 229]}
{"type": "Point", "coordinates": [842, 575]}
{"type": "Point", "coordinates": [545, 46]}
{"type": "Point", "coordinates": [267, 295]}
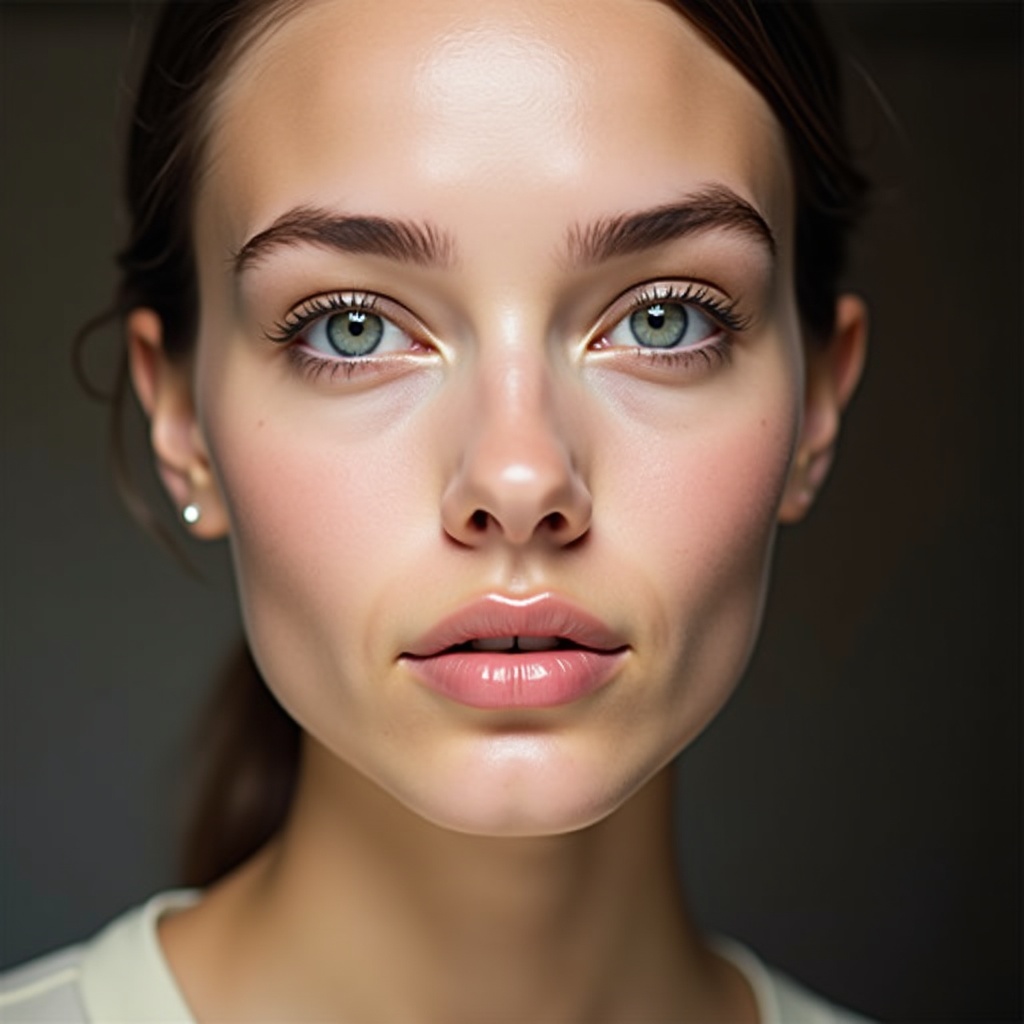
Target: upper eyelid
{"type": "Point", "coordinates": [315, 307]}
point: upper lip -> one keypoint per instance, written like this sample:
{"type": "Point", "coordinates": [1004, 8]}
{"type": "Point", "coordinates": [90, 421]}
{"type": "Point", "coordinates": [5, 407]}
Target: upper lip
{"type": "Point", "coordinates": [495, 615]}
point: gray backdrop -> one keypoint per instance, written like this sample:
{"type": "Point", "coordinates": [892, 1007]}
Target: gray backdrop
{"type": "Point", "coordinates": [855, 813]}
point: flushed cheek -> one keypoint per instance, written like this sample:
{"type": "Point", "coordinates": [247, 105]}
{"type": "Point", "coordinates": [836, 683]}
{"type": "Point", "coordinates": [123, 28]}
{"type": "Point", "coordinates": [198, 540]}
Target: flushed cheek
{"type": "Point", "coordinates": [324, 504]}
{"type": "Point", "coordinates": [731, 505]}
{"type": "Point", "coordinates": [718, 503]}
{"type": "Point", "coordinates": [697, 510]}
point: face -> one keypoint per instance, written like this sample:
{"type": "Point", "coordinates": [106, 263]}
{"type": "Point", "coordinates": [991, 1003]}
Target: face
{"type": "Point", "coordinates": [497, 339]}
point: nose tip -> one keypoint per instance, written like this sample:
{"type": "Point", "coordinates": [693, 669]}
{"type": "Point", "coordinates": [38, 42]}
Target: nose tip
{"type": "Point", "coordinates": [534, 494]}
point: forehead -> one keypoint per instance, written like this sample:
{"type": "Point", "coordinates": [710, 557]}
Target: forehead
{"type": "Point", "coordinates": [470, 109]}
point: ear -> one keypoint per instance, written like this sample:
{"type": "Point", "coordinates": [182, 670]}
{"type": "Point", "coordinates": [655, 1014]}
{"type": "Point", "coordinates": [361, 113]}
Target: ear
{"type": "Point", "coordinates": [164, 389]}
{"type": "Point", "coordinates": [833, 371]}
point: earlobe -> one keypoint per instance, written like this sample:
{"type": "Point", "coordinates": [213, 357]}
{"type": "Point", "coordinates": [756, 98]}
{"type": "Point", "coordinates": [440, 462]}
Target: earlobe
{"type": "Point", "coordinates": [833, 372]}
{"type": "Point", "coordinates": [164, 389]}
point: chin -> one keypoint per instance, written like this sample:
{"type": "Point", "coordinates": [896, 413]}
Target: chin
{"type": "Point", "coordinates": [523, 786]}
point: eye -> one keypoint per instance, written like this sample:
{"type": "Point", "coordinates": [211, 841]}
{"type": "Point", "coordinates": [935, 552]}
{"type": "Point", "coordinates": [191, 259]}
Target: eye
{"type": "Point", "coordinates": [354, 331]}
{"type": "Point", "coordinates": [348, 327]}
{"type": "Point", "coordinates": [664, 324]}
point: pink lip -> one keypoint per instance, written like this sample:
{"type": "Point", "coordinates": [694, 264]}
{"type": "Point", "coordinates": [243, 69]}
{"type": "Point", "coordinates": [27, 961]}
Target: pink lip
{"type": "Point", "coordinates": [527, 679]}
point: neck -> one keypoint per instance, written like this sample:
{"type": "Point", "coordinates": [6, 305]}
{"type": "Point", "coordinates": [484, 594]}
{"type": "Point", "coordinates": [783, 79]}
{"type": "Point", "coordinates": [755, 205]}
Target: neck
{"type": "Point", "coordinates": [362, 910]}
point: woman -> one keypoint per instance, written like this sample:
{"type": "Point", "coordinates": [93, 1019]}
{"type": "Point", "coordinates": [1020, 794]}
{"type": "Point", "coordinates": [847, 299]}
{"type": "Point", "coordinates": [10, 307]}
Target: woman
{"type": "Point", "coordinates": [497, 339]}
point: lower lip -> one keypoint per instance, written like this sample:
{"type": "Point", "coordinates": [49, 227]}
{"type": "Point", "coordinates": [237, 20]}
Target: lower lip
{"type": "Point", "coordinates": [535, 679]}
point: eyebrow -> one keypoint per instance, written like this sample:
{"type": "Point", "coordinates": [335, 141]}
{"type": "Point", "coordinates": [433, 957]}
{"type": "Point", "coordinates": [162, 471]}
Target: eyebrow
{"type": "Point", "coordinates": [713, 208]}
{"type": "Point", "coordinates": [422, 243]}
{"type": "Point", "coordinates": [402, 240]}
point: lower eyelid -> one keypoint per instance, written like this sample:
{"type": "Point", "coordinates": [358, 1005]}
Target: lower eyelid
{"type": "Point", "coordinates": [696, 360]}
{"type": "Point", "coordinates": [710, 353]}
{"type": "Point", "coordinates": [314, 366]}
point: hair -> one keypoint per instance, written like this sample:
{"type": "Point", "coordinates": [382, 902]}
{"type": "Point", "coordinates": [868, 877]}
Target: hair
{"type": "Point", "coordinates": [250, 747]}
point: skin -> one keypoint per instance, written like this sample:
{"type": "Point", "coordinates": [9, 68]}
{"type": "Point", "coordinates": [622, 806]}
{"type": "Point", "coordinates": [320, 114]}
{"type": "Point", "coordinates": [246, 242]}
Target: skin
{"type": "Point", "coordinates": [509, 867]}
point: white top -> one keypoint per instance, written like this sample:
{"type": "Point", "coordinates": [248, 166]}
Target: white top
{"type": "Point", "coordinates": [122, 977]}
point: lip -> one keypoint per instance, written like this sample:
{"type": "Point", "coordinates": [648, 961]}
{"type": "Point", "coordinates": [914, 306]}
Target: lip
{"type": "Point", "coordinates": [529, 679]}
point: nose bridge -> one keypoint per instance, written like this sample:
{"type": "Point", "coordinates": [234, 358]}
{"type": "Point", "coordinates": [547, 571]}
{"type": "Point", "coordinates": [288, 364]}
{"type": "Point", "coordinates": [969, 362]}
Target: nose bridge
{"type": "Point", "coordinates": [519, 472]}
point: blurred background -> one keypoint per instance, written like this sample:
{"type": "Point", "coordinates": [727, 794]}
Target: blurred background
{"type": "Point", "coordinates": [854, 815]}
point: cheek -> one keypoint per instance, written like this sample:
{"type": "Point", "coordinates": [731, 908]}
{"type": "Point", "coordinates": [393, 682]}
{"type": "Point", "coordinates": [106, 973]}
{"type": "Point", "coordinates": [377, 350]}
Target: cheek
{"type": "Point", "coordinates": [695, 481]}
{"type": "Point", "coordinates": [719, 501]}
{"type": "Point", "coordinates": [698, 487]}
{"type": "Point", "coordinates": [324, 502]}
{"type": "Point", "coordinates": [719, 561]}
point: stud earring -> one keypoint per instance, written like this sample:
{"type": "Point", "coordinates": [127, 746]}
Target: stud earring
{"type": "Point", "coordinates": [799, 478]}
{"type": "Point", "coordinates": [191, 513]}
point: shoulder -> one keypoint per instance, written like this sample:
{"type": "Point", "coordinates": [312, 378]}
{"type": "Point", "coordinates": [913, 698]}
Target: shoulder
{"type": "Point", "coordinates": [798, 1005]}
{"type": "Point", "coordinates": [780, 999]}
{"type": "Point", "coordinates": [46, 989]}
{"type": "Point", "coordinates": [119, 975]}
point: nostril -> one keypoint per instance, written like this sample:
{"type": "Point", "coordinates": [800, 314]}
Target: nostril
{"type": "Point", "coordinates": [556, 521]}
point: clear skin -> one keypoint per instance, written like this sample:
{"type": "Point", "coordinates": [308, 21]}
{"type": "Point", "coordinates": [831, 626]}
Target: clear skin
{"type": "Point", "coordinates": [509, 438]}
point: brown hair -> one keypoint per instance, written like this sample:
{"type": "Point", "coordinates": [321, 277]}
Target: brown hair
{"type": "Point", "coordinates": [250, 747]}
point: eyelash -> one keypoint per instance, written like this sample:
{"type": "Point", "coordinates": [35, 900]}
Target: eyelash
{"type": "Point", "coordinates": [310, 310]}
{"type": "Point", "coordinates": [694, 293]}
{"type": "Point", "coordinates": [315, 367]}
{"type": "Point", "coordinates": [720, 310]}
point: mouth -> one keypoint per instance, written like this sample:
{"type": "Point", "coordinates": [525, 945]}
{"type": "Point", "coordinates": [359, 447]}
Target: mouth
{"type": "Point", "coordinates": [545, 622]}
{"type": "Point", "coordinates": [500, 652]}
{"type": "Point", "coordinates": [518, 644]}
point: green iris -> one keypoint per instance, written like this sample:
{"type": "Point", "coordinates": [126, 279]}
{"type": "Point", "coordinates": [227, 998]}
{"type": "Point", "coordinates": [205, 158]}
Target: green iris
{"type": "Point", "coordinates": [662, 325]}
{"type": "Point", "coordinates": [354, 332]}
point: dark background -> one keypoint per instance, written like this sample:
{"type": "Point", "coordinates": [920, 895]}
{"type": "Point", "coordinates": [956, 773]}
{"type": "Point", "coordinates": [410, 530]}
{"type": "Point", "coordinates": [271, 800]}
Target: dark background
{"type": "Point", "coordinates": [855, 814]}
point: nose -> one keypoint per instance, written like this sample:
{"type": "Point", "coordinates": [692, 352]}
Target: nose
{"type": "Point", "coordinates": [517, 480]}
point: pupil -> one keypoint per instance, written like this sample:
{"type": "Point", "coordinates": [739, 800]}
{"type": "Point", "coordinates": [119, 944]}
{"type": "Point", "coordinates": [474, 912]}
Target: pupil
{"type": "Point", "coordinates": [355, 323]}
{"type": "Point", "coordinates": [656, 317]}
